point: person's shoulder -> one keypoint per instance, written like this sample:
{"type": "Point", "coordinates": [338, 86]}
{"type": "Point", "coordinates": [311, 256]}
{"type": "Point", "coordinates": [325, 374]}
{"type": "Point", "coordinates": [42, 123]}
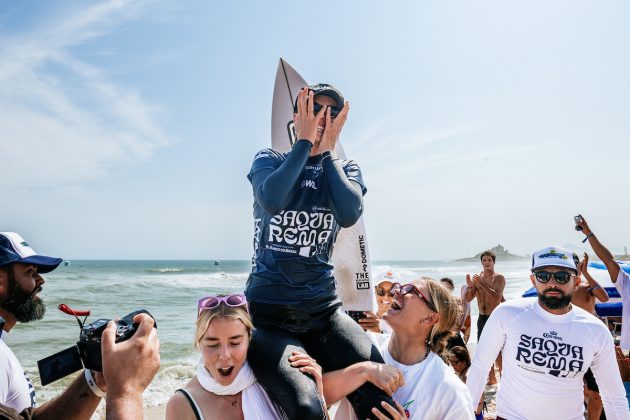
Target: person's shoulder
{"type": "Point", "coordinates": [267, 154]}
{"type": "Point", "coordinates": [266, 159]}
{"type": "Point", "coordinates": [178, 406]}
{"type": "Point", "coordinates": [587, 318]}
{"type": "Point", "coordinates": [516, 305]}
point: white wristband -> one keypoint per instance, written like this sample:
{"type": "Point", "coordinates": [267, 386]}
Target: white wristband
{"type": "Point", "coordinates": [92, 384]}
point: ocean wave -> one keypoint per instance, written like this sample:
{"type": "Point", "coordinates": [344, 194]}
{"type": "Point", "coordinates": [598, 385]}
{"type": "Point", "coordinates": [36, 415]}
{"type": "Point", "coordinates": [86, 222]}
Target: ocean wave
{"type": "Point", "coordinates": [165, 270]}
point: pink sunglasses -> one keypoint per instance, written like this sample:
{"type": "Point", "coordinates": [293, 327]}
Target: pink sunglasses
{"type": "Point", "coordinates": [210, 302]}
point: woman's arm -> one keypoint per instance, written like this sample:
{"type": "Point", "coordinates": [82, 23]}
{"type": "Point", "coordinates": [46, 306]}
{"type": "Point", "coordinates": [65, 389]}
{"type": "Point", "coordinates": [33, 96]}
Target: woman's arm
{"type": "Point", "coordinates": [274, 187]}
{"type": "Point", "coordinates": [339, 383]}
{"type": "Point", "coordinates": [346, 196]}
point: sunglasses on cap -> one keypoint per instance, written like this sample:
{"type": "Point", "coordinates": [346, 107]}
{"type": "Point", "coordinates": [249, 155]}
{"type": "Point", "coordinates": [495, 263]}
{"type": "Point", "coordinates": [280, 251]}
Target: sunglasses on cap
{"type": "Point", "coordinates": [562, 277]}
{"type": "Point", "coordinates": [410, 288]}
{"type": "Point", "coordinates": [210, 302]}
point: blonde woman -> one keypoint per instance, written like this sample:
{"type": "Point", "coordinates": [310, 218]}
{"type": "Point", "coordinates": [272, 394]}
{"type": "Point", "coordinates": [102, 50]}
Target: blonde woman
{"type": "Point", "coordinates": [422, 316]}
{"type": "Point", "coordinates": [225, 386]}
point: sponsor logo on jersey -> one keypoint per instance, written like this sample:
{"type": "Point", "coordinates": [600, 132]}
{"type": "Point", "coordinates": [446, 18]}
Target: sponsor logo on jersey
{"type": "Point", "coordinates": [549, 355]}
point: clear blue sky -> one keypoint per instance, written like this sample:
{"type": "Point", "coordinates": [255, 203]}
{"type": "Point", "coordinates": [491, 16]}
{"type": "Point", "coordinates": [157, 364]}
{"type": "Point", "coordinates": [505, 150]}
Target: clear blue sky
{"type": "Point", "coordinates": [127, 127]}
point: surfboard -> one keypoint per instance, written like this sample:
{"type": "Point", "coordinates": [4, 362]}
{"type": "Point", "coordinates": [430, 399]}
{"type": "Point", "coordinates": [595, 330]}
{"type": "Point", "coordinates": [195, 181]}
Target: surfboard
{"type": "Point", "coordinates": [351, 258]}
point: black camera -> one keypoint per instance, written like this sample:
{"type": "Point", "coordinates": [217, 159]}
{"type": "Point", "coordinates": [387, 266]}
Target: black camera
{"type": "Point", "coordinates": [578, 219]}
{"type": "Point", "coordinates": [87, 352]}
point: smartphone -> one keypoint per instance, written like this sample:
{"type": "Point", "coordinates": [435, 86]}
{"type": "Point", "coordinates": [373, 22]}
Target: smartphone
{"type": "Point", "coordinates": [356, 315]}
{"type": "Point", "coordinates": [578, 219]}
{"type": "Point", "coordinates": [617, 329]}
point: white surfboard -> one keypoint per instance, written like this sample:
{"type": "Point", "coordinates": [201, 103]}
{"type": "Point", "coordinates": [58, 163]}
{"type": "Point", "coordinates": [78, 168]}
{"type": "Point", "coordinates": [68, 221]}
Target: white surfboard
{"type": "Point", "coordinates": [351, 258]}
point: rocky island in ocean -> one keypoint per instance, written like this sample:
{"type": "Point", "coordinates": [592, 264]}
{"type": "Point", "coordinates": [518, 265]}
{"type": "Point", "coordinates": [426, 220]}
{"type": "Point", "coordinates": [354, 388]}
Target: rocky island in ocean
{"type": "Point", "coordinates": [501, 253]}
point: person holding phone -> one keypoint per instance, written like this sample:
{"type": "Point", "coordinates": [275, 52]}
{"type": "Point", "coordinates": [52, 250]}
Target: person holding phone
{"type": "Point", "coordinates": [301, 200]}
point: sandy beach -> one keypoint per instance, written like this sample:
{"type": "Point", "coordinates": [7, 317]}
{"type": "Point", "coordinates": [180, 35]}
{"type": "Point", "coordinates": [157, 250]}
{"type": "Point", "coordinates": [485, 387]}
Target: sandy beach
{"type": "Point", "coordinates": [155, 413]}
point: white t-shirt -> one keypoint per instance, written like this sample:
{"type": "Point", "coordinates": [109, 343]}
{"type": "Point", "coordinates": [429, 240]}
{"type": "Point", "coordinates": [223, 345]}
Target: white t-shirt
{"type": "Point", "coordinates": [623, 286]}
{"type": "Point", "coordinates": [16, 390]}
{"type": "Point", "coordinates": [384, 326]}
{"type": "Point", "coordinates": [545, 357]}
{"type": "Point", "coordinates": [432, 391]}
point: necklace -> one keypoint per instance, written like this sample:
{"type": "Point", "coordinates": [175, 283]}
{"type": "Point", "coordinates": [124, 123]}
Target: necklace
{"type": "Point", "coordinates": [426, 354]}
{"type": "Point", "coordinates": [234, 403]}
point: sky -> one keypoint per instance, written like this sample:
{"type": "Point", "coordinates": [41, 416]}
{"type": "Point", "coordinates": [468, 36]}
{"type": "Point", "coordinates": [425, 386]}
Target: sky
{"type": "Point", "coordinates": [127, 128]}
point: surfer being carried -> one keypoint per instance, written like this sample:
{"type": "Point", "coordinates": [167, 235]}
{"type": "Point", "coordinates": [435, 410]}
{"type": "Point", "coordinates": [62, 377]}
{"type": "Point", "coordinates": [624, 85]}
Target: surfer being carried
{"type": "Point", "coordinates": [487, 287]}
{"type": "Point", "coordinates": [301, 201]}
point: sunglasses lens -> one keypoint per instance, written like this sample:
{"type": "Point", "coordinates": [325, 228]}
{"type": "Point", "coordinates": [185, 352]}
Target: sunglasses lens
{"type": "Point", "coordinates": [210, 303]}
{"type": "Point", "coordinates": [334, 111]}
{"type": "Point", "coordinates": [562, 277]}
{"type": "Point", "coordinates": [407, 288]}
{"type": "Point", "coordinates": [380, 292]}
{"type": "Point", "coordinates": [317, 107]}
{"type": "Point", "coordinates": [543, 276]}
{"type": "Point", "coordinates": [234, 300]}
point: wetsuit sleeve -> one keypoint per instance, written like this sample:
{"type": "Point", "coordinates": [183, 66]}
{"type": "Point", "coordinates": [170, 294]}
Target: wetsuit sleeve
{"type": "Point", "coordinates": [274, 180]}
{"type": "Point", "coordinates": [490, 344]}
{"type": "Point", "coordinates": [346, 190]}
{"type": "Point", "coordinates": [608, 379]}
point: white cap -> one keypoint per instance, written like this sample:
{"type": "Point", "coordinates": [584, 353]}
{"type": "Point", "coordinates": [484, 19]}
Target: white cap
{"type": "Point", "coordinates": [390, 276]}
{"type": "Point", "coordinates": [556, 257]}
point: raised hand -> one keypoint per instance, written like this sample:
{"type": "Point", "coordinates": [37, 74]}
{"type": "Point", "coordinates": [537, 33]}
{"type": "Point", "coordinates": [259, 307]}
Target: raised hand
{"type": "Point", "coordinates": [306, 121]}
{"type": "Point", "coordinates": [582, 223]}
{"type": "Point", "coordinates": [330, 137]}
{"type": "Point", "coordinates": [583, 265]}
{"type": "Point", "coordinates": [370, 322]}
{"type": "Point", "coordinates": [469, 282]}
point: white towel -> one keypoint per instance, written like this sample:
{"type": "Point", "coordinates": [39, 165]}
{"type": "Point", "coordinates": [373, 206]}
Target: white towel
{"type": "Point", "coordinates": [256, 402]}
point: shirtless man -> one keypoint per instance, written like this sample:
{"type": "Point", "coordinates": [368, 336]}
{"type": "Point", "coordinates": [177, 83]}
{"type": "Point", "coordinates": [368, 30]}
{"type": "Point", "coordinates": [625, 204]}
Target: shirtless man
{"type": "Point", "coordinates": [585, 295]}
{"type": "Point", "coordinates": [487, 287]}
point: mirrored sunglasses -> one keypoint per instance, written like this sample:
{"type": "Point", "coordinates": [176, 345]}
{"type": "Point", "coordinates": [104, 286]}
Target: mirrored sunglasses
{"type": "Point", "coordinates": [562, 277]}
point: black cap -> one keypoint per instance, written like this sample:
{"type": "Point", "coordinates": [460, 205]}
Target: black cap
{"type": "Point", "coordinates": [326, 90]}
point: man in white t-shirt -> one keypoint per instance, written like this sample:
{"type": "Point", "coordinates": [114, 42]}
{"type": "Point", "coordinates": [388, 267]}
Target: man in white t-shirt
{"type": "Point", "coordinates": [548, 345]}
{"type": "Point", "coordinates": [21, 281]}
{"type": "Point", "coordinates": [620, 278]}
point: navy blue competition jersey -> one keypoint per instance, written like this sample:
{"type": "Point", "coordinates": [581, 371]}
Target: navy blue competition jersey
{"type": "Point", "coordinates": [295, 230]}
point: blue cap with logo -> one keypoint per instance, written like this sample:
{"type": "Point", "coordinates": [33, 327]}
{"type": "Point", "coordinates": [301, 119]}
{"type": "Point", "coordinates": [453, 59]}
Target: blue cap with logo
{"type": "Point", "coordinates": [14, 249]}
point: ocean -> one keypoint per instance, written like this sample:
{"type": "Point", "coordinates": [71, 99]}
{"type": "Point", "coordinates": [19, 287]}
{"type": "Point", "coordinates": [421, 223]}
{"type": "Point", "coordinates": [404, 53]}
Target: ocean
{"type": "Point", "coordinates": [170, 290]}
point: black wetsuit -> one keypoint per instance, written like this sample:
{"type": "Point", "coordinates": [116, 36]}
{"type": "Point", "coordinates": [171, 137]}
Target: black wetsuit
{"type": "Point", "coordinates": [300, 204]}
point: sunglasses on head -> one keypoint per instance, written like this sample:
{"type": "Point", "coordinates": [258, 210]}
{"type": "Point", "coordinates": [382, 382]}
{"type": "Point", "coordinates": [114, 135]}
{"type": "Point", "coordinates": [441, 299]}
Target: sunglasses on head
{"type": "Point", "coordinates": [410, 288]}
{"type": "Point", "coordinates": [210, 302]}
{"type": "Point", "coordinates": [562, 277]}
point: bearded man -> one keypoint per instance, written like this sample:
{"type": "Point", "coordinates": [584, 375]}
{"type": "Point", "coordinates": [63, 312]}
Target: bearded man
{"type": "Point", "coordinates": [548, 344]}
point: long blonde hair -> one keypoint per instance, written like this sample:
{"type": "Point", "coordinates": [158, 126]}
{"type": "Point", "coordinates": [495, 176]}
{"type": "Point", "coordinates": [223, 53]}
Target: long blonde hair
{"type": "Point", "coordinates": [449, 310]}
{"type": "Point", "coordinates": [222, 311]}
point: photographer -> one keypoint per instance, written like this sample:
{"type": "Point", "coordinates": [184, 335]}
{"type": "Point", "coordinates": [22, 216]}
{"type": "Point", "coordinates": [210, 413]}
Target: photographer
{"type": "Point", "coordinates": [20, 284]}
